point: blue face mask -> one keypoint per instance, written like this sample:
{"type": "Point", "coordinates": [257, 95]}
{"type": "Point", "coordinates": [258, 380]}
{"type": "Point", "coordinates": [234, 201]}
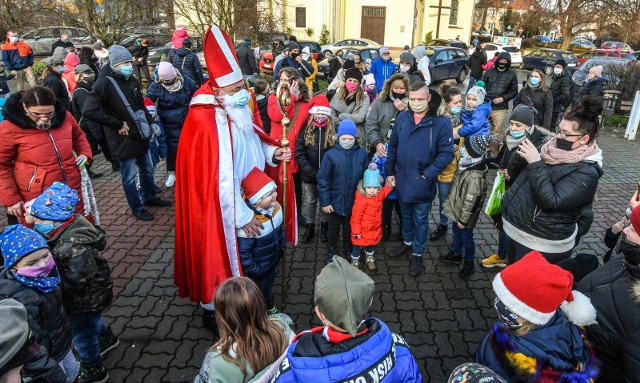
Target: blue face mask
{"type": "Point", "coordinates": [534, 81]}
{"type": "Point", "coordinates": [456, 109]}
{"type": "Point", "coordinates": [62, 69]}
{"type": "Point", "coordinates": [463, 152]}
{"type": "Point", "coordinates": [517, 134]}
{"type": "Point", "coordinates": [241, 98]}
{"type": "Point", "coordinates": [14, 39]}
{"type": "Point", "coordinates": [44, 228]}
{"type": "Point", "coordinates": [126, 70]}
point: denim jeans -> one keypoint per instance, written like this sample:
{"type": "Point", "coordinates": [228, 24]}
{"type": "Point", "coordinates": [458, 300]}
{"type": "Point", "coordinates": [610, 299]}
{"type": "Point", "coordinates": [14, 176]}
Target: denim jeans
{"type": "Point", "coordinates": [128, 176]}
{"type": "Point", "coordinates": [463, 238]}
{"type": "Point", "coordinates": [86, 330]}
{"type": "Point", "coordinates": [415, 224]}
{"type": "Point", "coordinates": [443, 193]}
{"type": "Point", "coordinates": [310, 204]}
{"type": "Point", "coordinates": [472, 83]}
{"type": "Point", "coordinates": [355, 252]}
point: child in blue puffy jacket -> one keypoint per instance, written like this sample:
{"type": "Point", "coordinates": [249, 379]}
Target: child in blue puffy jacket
{"type": "Point", "coordinates": [475, 115]}
{"type": "Point", "coordinates": [261, 255]}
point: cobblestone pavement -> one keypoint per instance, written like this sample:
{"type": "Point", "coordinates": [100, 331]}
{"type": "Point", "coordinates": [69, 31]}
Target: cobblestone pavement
{"type": "Point", "coordinates": [441, 316]}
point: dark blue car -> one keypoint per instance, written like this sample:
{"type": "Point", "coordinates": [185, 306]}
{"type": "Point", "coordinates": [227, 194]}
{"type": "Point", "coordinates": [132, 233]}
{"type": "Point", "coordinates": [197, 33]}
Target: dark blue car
{"type": "Point", "coordinates": [545, 59]}
{"type": "Point", "coordinates": [448, 63]}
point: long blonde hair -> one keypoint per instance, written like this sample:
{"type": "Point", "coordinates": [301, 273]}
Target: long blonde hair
{"type": "Point", "coordinates": [344, 93]}
{"type": "Point", "coordinates": [247, 336]}
{"type": "Point", "coordinates": [329, 133]}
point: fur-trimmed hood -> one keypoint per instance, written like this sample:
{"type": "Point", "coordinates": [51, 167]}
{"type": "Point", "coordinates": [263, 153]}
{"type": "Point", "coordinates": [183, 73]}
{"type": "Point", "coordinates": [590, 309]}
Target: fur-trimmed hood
{"type": "Point", "coordinates": [635, 291]}
{"type": "Point", "coordinates": [14, 113]}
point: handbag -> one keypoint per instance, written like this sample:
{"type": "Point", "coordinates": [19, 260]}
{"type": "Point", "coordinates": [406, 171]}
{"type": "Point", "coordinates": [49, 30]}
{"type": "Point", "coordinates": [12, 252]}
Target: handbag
{"type": "Point", "coordinates": [494, 204]}
{"type": "Point", "coordinates": [139, 117]}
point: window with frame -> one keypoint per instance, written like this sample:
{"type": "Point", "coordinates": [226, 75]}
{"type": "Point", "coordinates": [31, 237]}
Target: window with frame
{"type": "Point", "coordinates": [301, 17]}
{"type": "Point", "coordinates": [453, 12]}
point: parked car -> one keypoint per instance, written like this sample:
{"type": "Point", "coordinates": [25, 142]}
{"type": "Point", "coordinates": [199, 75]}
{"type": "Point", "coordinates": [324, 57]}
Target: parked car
{"type": "Point", "coordinates": [482, 33]}
{"type": "Point", "coordinates": [372, 53]}
{"type": "Point", "coordinates": [616, 45]}
{"type": "Point", "coordinates": [542, 39]}
{"type": "Point", "coordinates": [329, 50]}
{"type": "Point", "coordinates": [559, 40]}
{"type": "Point", "coordinates": [448, 63]}
{"type": "Point", "coordinates": [544, 59]}
{"type": "Point", "coordinates": [605, 53]}
{"type": "Point", "coordinates": [492, 48]}
{"type": "Point", "coordinates": [448, 43]}
{"type": "Point", "coordinates": [40, 40]}
{"type": "Point", "coordinates": [608, 66]}
{"type": "Point", "coordinates": [582, 43]}
{"type": "Point", "coordinates": [158, 54]}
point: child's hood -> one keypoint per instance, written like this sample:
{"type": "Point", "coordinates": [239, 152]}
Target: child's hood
{"type": "Point", "coordinates": [80, 231]}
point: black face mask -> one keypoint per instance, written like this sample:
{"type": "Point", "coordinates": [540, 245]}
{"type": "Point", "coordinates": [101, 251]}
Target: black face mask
{"type": "Point", "coordinates": [564, 144]}
{"type": "Point", "coordinates": [294, 55]}
{"type": "Point", "coordinates": [399, 96]}
{"type": "Point", "coordinates": [501, 67]}
{"type": "Point", "coordinates": [630, 250]}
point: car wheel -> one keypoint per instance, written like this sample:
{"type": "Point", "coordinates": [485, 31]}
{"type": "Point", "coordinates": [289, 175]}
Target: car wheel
{"type": "Point", "coordinates": [328, 54]}
{"type": "Point", "coordinates": [461, 76]}
{"type": "Point", "coordinates": [548, 70]}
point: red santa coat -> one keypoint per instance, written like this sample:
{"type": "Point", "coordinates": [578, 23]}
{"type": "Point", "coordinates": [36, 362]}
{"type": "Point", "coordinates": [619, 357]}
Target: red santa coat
{"type": "Point", "coordinates": [366, 221]}
{"type": "Point", "coordinates": [206, 251]}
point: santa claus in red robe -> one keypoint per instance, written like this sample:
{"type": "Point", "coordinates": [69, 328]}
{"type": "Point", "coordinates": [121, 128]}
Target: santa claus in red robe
{"type": "Point", "coordinates": [219, 145]}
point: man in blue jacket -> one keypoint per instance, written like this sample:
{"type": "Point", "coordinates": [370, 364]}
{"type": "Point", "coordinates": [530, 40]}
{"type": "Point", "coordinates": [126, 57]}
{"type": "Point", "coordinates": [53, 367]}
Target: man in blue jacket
{"type": "Point", "coordinates": [294, 60]}
{"type": "Point", "coordinates": [347, 348]}
{"type": "Point", "coordinates": [421, 146]}
{"type": "Point", "coordinates": [18, 59]}
{"type": "Point", "coordinates": [382, 68]}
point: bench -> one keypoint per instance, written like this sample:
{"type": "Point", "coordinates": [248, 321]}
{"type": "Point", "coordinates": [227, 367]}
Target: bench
{"type": "Point", "coordinates": [626, 106]}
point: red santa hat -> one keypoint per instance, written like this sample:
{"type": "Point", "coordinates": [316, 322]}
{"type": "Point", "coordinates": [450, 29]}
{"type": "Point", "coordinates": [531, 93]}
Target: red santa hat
{"type": "Point", "coordinates": [150, 105]}
{"type": "Point", "coordinates": [534, 289]}
{"type": "Point", "coordinates": [320, 105]}
{"type": "Point", "coordinates": [257, 185]}
{"type": "Point", "coordinates": [220, 56]}
{"type": "Point", "coordinates": [635, 219]}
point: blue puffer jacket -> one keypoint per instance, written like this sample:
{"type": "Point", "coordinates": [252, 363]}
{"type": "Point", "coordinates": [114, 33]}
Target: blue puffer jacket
{"type": "Point", "coordinates": [377, 356]}
{"type": "Point", "coordinates": [418, 154]}
{"type": "Point", "coordinates": [172, 109]}
{"type": "Point", "coordinates": [476, 122]}
{"type": "Point", "coordinates": [382, 71]}
{"type": "Point", "coordinates": [187, 63]}
{"type": "Point", "coordinates": [259, 256]}
{"type": "Point", "coordinates": [340, 171]}
{"type": "Point", "coordinates": [558, 345]}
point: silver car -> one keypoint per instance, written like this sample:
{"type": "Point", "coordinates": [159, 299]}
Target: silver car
{"type": "Point", "coordinates": [41, 39]}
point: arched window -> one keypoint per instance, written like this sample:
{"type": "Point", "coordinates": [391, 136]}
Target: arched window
{"type": "Point", "coordinates": [453, 15]}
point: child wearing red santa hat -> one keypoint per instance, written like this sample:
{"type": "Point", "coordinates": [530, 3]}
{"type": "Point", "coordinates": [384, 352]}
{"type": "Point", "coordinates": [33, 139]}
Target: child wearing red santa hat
{"type": "Point", "coordinates": [537, 338]}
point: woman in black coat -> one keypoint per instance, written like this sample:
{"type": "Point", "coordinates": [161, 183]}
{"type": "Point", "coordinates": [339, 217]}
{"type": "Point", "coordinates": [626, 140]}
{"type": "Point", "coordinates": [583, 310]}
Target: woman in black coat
{"type": "Point", "coordinates": [537, 95]}
{"type": "Point", "coordinates": [53, 80]}
{"type": "Point", "coordinates": [86, 57]}
{"type": "Point", "coordinates": [543, 206]}
{"type": "Point", "coordinates": [593, 86]}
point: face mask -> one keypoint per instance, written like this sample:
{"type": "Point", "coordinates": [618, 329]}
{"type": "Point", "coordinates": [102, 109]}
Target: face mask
{"type": "Point", "coordinates": [405, 68]}
{"type": "Point", "coordinates": [65, 40]}
{"type": "Point", "coordinates": [397, 95]}
{"type": "Point", "coordinates": [501, 67]}
{"type": "Point", "coordinates": [62, 69]}
{"type": "Point", "coordinates": [44, 228]}
{"type": "Point", "coordinates": [126, 70]}
{"type": "Point", "coordinates": [371, 87]}
{"type": "Point", "coordinates": [305, 56]}
{"type": "Point", "coordinates": [43, 125]}
{"type": "Point", "coordinates": [44, 278]}
{"type": "Point", "coordinates": [346, 144]}
{"type": "Point", "coordinates": [456, 109]}
{"type": "Point", "coordinates": [351, 86]}
{"type": "Point", "coordinates": [89, 79]}
{"type": "Point", "coordinates": [38, 271]}
{"type": "Point", "coordinates": [238, 100]}
{"type": "Point", "coordinates": [463, 152]}
{"type": "Point", "coordinates": [534, 81]}
{"type": "Point", "coordinates": [505, 315]}
{"type": "Point", "coordinates": [558, 70]}
{"type": "Point", "coordinates": [14, 39]}
{"type": "Point", "coordinates": [386, 57]}
{"type": "Point", "coordinates": [517, 134]}
{"type": "Point", "coordinates": [564, 144]}
{"type": "Point", "coordinates": [630, 250]}
{"type": "Point", "coordinates": [294, 55]}
{"type": "Point", "coordinates": [320, 120]}
{"type": "Point", "coordinates": [419, 106]}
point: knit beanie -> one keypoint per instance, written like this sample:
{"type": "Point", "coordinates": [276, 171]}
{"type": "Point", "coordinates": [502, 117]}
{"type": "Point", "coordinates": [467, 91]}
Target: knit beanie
{"type": "Point", "coordinates": [186, 43]}
{"type": "Point", "coordinates": [371, 178]}
{"type": "Point", "coordinates": [353, 73]}
{"type": "Point", "coordinates": [320, 105]}
{"type": "Point", "coordinates": [369, 79]}
{"type": "Point", "coordinates": [118, 55]}
{"type": "Point", "coordinates": [293, 45]}
{"type": "Point", "coordinates": [477, 146]}
{"type": "Point", "coordinates": [83, 68]}
{"type": "Point", "coordinates": [479, 93]}
{"type": "Point", "coordinates": [562, 63]}
{"type": "Point", "coordinates": [383, 50]}
{"type": "Point", "coordinates": [474, 373]}
{"type": "Point", "coordinates": [635, 219]}
{"type": "Point", "coordinates": [257, 185]}
{"type": "Point", "coordinates": [17, 241]}
{"type": "Point", "coordinates": [597, 70]}
{"type": "Point", "coordinates": [166, 71]}
{"type": "Point", "coordinates": [525, 114]}
{"type": "Point", "coordinates": [347, 127]}
{"type": "Point", "coordinates": [534, 289]}
{"type": "Point", "coordinates": [56, 203]}
{"type": "Point", "coordinates": [343, 294]}
{"type": "Point", "coordinates": [14, 332]}
{"type": "Point", "coordinates": [407, 57]}
{"type": "Point", "coordinates": [72, 60]}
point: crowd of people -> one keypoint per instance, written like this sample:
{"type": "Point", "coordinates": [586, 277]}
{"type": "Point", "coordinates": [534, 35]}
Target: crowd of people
{"type": "Point", "coordinates": [384, 141]}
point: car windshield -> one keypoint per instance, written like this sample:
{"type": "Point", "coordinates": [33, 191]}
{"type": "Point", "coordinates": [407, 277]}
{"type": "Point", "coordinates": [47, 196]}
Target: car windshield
{"type": "Point", "coordinates": [569, 56]}
{"type": "Point", "coordinates": [511, 49]}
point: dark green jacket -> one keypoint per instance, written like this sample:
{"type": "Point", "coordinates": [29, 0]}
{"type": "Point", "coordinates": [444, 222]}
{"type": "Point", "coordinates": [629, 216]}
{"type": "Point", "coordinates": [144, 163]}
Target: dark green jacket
{"type": "Point", "coordinates": [467, 195]}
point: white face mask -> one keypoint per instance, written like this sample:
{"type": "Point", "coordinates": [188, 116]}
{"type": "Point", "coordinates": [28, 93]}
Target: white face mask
{"type": "Point", "coordinates": [405, 68]}
{"type": "Point", "coordinates": [557, 70]}
{"type": "Point", "coordinates": [305, 56]}
{"type": "Point", "coordinates": [346, 144]}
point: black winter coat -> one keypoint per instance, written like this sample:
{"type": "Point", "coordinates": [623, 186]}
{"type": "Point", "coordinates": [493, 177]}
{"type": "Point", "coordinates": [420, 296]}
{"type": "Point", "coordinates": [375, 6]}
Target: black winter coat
{"type": "Point", "coordinates": [91, 62]}
{"type": "Point", "coordinates": [561, 90]}
{"type": "Point", "coordinates": [475, 62]}
{"type": "Point", "coordinates": [334, 66]}
{"type": "Point", "coordinates": [614, 290]}
{"type": "Point", "coordinates": [511, 160]}
{"type": "Point", "coordinates": [54, 82]}
{"type": "Point", "coordinates": [263, 107]}
{"type": "Point", "coordinates": [105, 107]}
{"type": "Point", "coordinates": [187, 63]}
{"type": "Point", "coordinates": [48, 321]}
{"type": "Point", "coordinates": [172, 109]}
{"type": "Point", "coordinates": [309, 157]}
{"type": "Point", "coordinates": [85, 276]}
{"type": "Point", "coordinates": [546, 200]}
{"type": "Point", "coordinates": [138, 51]}
{"type": "Point", "coordinates": [542, 101]}
{"type": "Point", "coordinates": [80, 95]}
{"type": "Point", "coordinates": [593, 87]}
{"type": "Point", "coordinates": [501, 84]}
{"type": "Point", "coordinates": [247, 60]}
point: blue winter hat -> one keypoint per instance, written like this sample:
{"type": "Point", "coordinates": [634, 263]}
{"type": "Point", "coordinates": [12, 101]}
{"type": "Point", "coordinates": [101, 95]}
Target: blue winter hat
{"type": "Point", "coordinates": [347, 127]}
{"type": "Point", "coordinates": [371, 179]}
{"type": "Point", "coordinates": [57, 203]}
{"type": "Point", "coordinates": [17, 241]}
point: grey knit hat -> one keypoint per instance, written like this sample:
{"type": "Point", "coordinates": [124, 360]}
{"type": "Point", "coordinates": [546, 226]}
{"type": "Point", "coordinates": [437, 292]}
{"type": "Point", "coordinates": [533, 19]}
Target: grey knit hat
{"type": "Point", "coordinates": [525, 114]}
{"type": "Point", "coordinates": [407, 57]}
{"type": "Point", "coordinates": [14, 330]}
{"type": "Point", "coordinates": [118, 55]}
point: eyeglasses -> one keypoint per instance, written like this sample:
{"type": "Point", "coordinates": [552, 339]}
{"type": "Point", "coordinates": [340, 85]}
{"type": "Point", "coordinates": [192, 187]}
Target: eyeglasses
{"type": "Point", "coordinates": [564, 135]}
{"type": "Point", "coordinates": [41, 115]}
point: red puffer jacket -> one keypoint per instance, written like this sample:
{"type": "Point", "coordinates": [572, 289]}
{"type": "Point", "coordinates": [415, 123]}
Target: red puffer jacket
{"type": "Point", "coordinates": [366, 217]}
{"type": "Point", "coordinates": [32, 159]}
{"type": "Point", "coordinates": [301, 120]}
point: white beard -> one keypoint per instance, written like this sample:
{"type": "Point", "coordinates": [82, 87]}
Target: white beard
{"type": "Point", "coordinates": [241, 118]}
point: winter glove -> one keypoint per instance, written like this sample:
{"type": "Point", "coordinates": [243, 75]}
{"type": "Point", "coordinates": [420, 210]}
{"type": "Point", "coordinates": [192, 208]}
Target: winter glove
{"type": "Point", "coordinates": [155, 128]}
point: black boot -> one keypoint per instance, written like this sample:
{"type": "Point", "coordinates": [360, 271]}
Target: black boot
{"type": "Point", "coordinates": [438, 233]}
{"type": "Point", "coordinates": [309, 233]}
{"type": "Point", "coordinates": [415, 266]}
{"type": "Point", "coordinates": [324, 231]}
{"type": "Point", "coordinates": [386, 232]}
{"type": "Point", "coordinates": [400, 251]}
{"type": "Point", "coordinates": [115, 165]}
{"type": "Point", "coordinates": [467, 269]}
{"type": "Point", "coordinates": [92, 373]}
{"type": "Point", "coordinates": [451, 257]}
{"type": "Point", "coordinates": [209, 321]}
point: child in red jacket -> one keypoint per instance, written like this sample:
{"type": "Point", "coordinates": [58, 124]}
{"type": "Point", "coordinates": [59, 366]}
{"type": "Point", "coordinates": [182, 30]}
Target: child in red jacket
{"type": "Point", "coordinates": [366, 218]}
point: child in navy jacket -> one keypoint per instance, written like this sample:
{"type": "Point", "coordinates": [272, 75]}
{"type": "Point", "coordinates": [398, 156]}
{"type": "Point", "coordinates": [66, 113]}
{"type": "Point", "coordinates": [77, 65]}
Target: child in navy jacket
{"type": "Point", "coordinates": [340, 171]}
{"type": "Point", "coordinates": [261, 255]}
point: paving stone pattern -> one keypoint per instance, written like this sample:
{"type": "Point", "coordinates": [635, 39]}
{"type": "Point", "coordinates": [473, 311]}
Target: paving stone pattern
{"type": "Point", "coordinates": [441, 316]}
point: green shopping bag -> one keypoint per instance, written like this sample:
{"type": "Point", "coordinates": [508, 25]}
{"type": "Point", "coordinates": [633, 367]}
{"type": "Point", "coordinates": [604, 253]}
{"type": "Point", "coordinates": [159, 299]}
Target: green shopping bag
{"type": "Point", "coordinates": [494, 204]}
